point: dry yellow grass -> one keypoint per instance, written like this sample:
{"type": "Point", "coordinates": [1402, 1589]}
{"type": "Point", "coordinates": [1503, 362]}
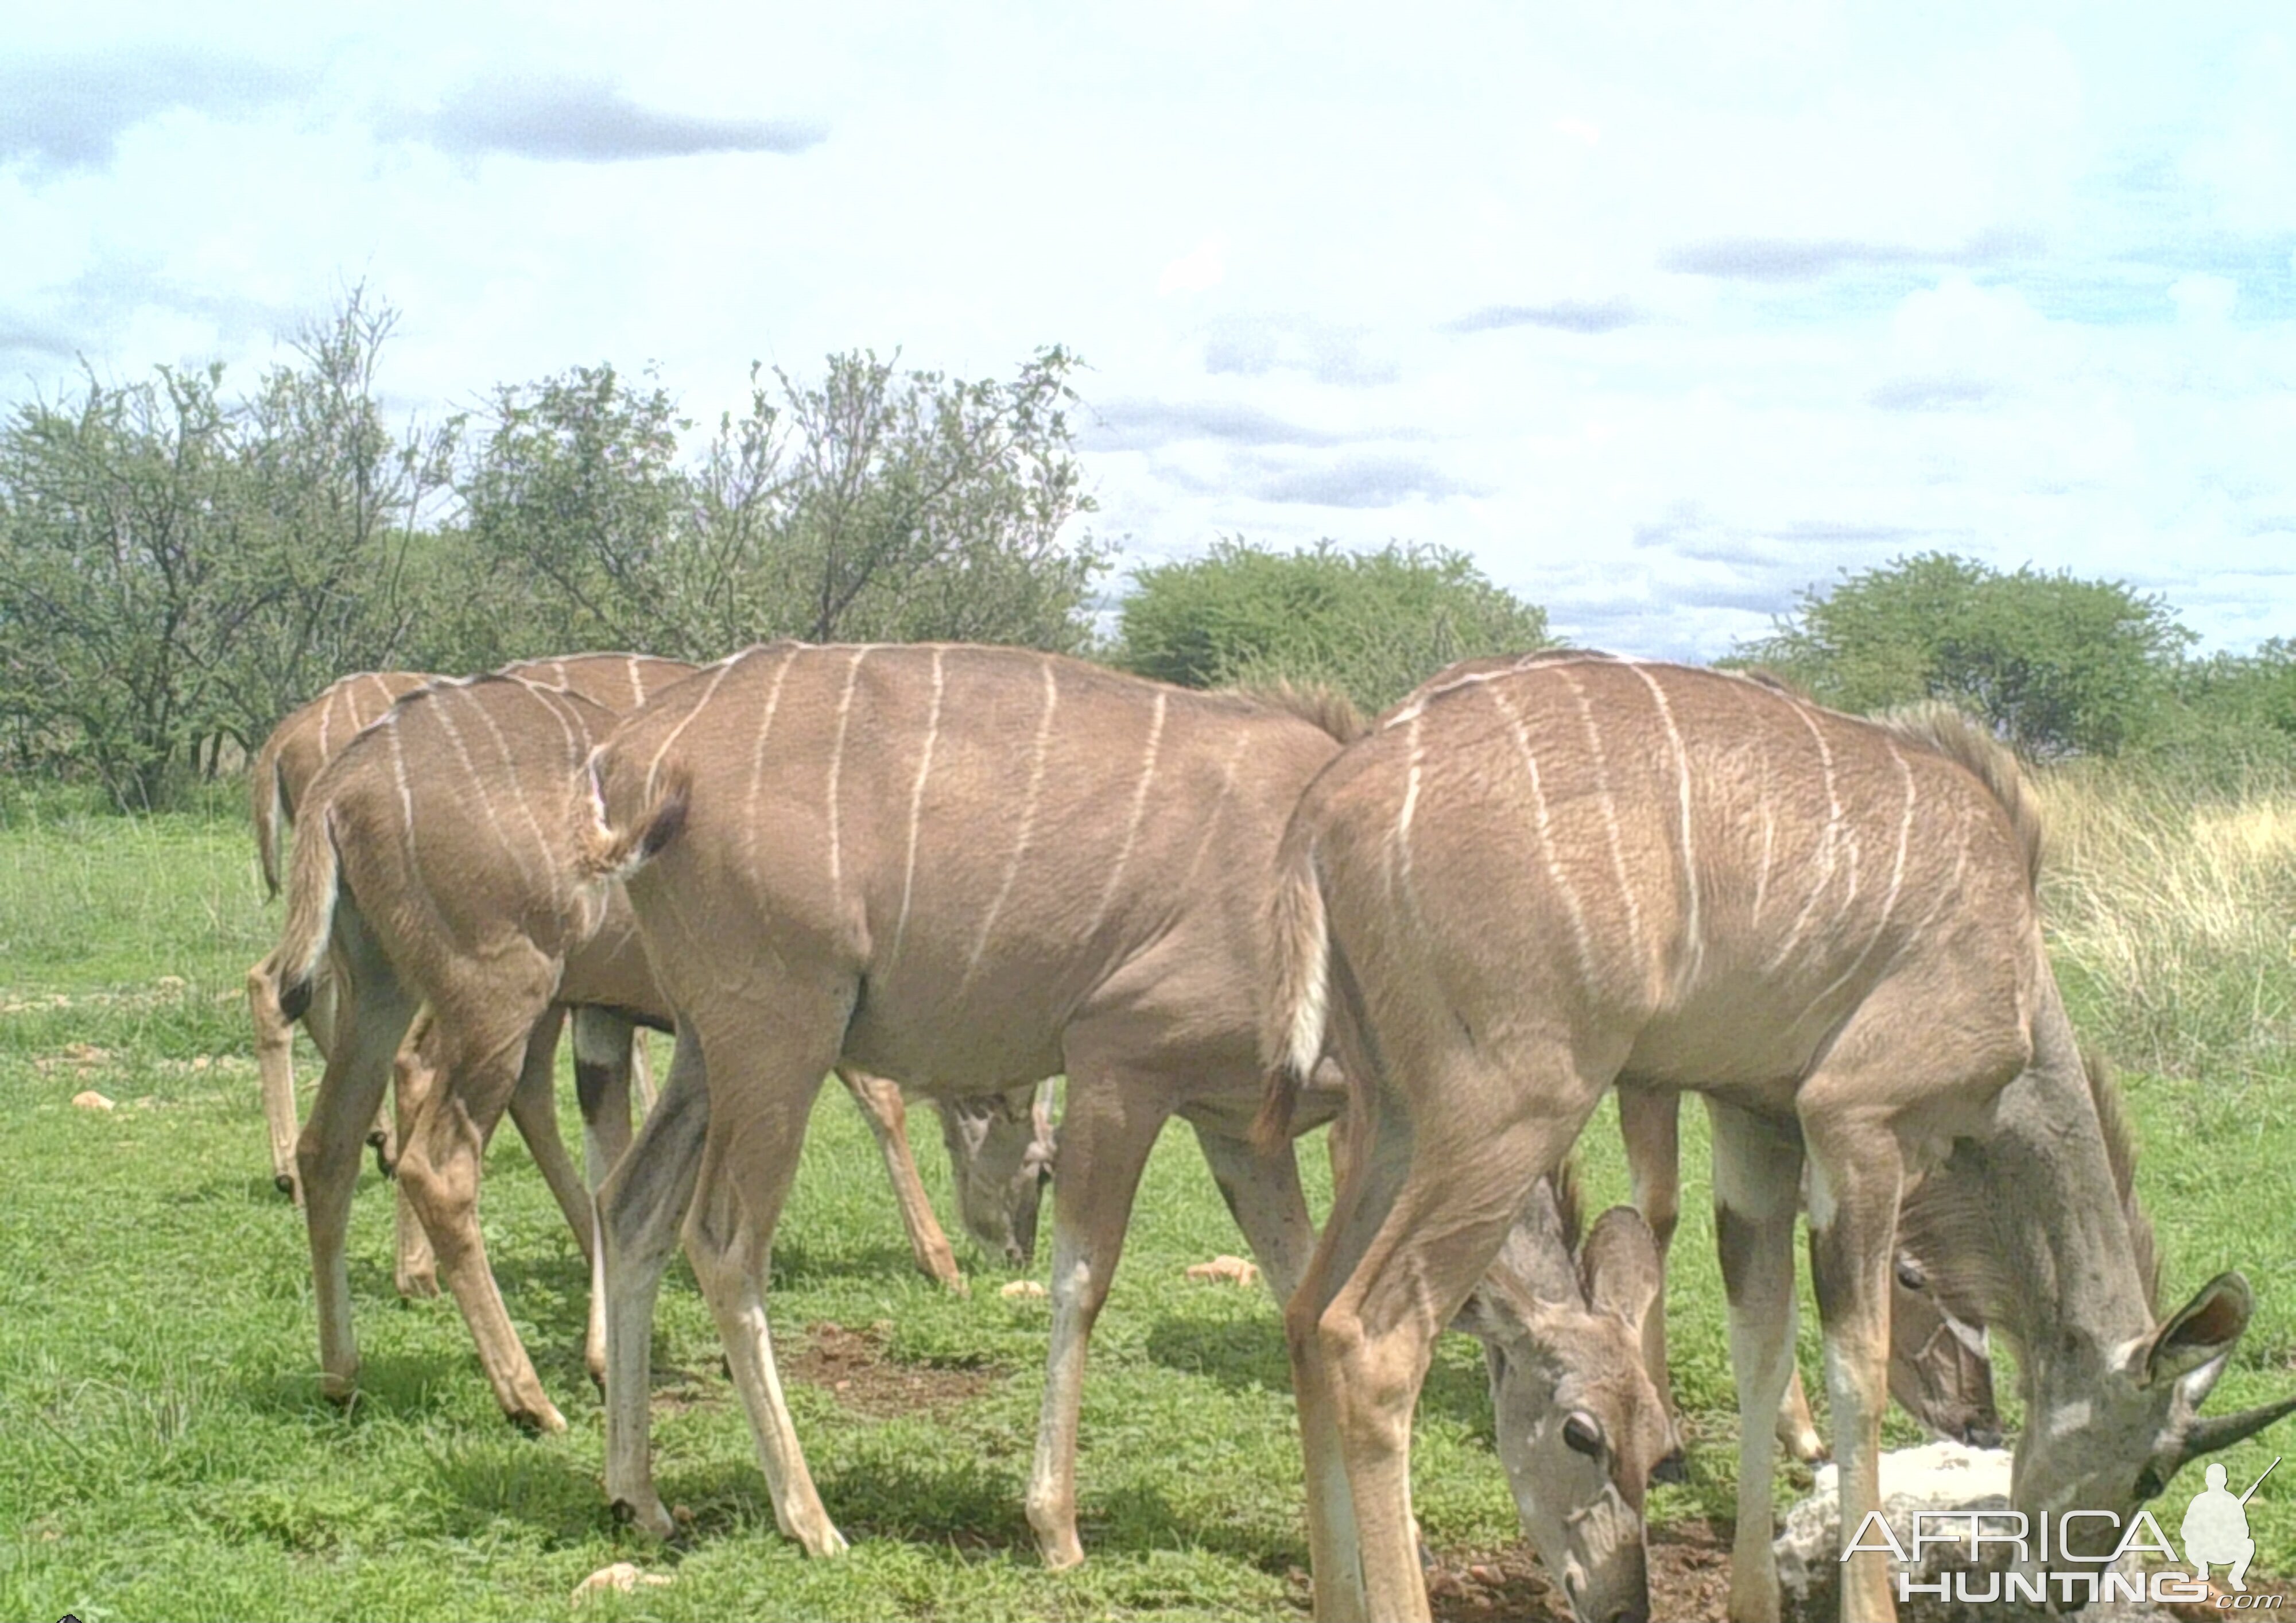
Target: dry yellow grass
{"type": "Point", "coordinates": [2178, 914]}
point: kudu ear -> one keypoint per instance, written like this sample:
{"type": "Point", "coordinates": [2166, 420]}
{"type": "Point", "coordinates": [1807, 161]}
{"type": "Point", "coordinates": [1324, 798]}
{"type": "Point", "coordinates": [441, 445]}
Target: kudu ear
{"type": "Point", "coordinates": [1618, 1267]}
{"type": "Point", "coordinates": [2202, 1330]}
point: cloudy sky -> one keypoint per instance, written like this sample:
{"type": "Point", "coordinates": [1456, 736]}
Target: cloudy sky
{"type": "Point", "coordinates": [1661, 312]}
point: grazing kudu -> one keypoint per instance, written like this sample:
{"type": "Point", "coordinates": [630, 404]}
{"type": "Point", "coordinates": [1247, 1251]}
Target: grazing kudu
{"type": "Point", "coordinates": [1939, 1370]}
{"type": "Point", "coordinates": [433, 861]}
{"type": "Point", "coordinates": [957, 866]}
{"type": "Point", "coordinates": [1534, 881]}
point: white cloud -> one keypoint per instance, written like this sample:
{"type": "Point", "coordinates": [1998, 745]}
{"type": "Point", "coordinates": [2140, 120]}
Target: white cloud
{"type": "Point", "coordinates": [1203, 267]}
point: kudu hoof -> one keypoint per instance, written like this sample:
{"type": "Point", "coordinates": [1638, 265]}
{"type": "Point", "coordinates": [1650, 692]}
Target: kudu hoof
{"type": "Point", "coordinates": [649, 1518]}
{"type": "Point", "coordinates": [284, 1183]}
{"type": "Point", "coordinates": [543, 1422]}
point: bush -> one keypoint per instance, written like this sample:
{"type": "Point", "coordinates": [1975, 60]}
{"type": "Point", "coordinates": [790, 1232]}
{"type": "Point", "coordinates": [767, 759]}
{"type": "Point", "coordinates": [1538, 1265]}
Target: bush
{"type": "Point", "coordinates": [1373, 625]}
{"type": "Point", "coordinates": [2058, 666]}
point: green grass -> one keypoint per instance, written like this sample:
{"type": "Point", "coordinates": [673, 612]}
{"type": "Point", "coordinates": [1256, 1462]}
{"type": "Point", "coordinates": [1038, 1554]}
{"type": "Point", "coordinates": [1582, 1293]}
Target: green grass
{"type": "Point", "coordinates": [164, 1452]}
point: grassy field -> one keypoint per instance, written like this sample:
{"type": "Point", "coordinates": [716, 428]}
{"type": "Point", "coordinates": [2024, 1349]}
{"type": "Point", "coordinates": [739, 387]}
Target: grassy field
{"type": "Point", "coordinates": [164, 1452]}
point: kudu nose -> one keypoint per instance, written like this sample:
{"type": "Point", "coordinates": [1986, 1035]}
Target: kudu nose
{"type": "Point", "coordinates": [1674, 1467]}
{"type": "Point", "coordinates": [1981, 1436]}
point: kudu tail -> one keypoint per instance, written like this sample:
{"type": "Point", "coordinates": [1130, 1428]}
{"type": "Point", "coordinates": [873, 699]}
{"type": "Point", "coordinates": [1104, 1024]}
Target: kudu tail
{"type": "Point", "coordinates": [1293, 1018]}
{"type": "Point", "coordinates": [629, 823]}
{"type": "Point", "coordinates": [314, 881]}
{"type": "Point", "coordinates": [270, 812]}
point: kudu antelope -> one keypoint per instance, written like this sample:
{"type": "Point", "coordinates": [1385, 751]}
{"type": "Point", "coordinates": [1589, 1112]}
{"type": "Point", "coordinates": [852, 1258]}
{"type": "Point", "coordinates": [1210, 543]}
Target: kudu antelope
{"type": "Point", "coordinates": [959, 866]}
{"type": "Point", "coordinates": [1536, 879]}
{"type": "Point", "coordinates": [306, 740]}
{"type": "Point", "coordinates": [1939, 1370]}
{"type": "Point", "coordinates": [432, 860]}
{"type": "Point", "coordinates": [998, 1203]}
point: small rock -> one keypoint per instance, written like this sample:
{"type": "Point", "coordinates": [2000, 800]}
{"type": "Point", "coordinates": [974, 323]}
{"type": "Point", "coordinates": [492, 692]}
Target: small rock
{"type": "Point", "coordinates": [90, 1100]}
{"type": "Point", "coordinates": [1485, 1576]}
{"type": "Point", "coordinates": [1020, 1288]}
{"type": "Point", "coordinates": [1228, 1270]}
{"type": "Point", "coordinates": [201, 1062]}
{"type": "Point", "coordinates": [622, 1576]}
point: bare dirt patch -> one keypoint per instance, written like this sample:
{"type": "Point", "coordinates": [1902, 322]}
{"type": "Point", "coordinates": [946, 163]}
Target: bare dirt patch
{"type": "Point", "coordinates": [1689, 1580]}
{"type": "Point", "coordinates": [854, 1366]}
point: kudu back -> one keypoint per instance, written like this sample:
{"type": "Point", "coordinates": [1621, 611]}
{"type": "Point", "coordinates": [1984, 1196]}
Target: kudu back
{"type": "Point", "coordinates": [958, 866]}
{"type": "Point", "coordinates": [1543, 877]}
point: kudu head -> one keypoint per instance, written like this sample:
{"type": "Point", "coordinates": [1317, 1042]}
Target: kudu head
{"type": "Point", "coordinates": [1000, 1155]}
{"type": "Point", "coordinates": [1938, 1369]}
{"type": "Point", "coordinates": [2127, 1430]}
{"type": "Point", "coordinates": [1581, 1427]}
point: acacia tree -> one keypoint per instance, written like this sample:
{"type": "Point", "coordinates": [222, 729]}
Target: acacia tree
{"type": "Point", "coordinates": [2057, 665]}
{"type": "Point", "coordinates": [877, 503]}
{"type": "Point", "coordinates": [119, 588]}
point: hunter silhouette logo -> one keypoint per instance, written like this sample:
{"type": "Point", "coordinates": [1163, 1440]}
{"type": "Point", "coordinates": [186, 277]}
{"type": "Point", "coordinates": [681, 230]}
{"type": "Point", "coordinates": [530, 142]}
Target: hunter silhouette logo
{"type": "Point", "coordinates": [2039, 1559]}
{"type": "Point", "coordinates": [2215, 1528]}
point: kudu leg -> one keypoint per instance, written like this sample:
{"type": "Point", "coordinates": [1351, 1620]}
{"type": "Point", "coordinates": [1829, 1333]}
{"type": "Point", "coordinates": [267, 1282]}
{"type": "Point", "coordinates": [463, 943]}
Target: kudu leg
{"type": "Point", "coordinates": [1105, 1138]}
{"type": "Point", "coordinates": [1857, 1174]}
{"type": "Point", "coordinates": [1373, 1341]}
{"type": "Point", "coordinates": [275, 1066]}
{"type": "Point", "coordinates": [1756, 1194]}
{"type": "Point", "coordinates": [1371, 1154]}
{"type": "Point", "coordinates": [641, 1209]}
{"type": "Point", "coordinates": [883, 1108]}
{"type": "Point", "coordinates": [1263, 1196]}
{"type": "Point", "coordinates": [327, 1153]}
{"type": "Point", "coordinates": [534, 1108]}
{"type": "Point", "coordinates": [757, 1128]}
{"type": "Point", "coordinates": [414, 1073]}
{"type": "Point", "coordinates": [605, 1045]}
{"type": "Point", "coordinates": [1650, 1122]}
{"type": "Point", "coordinates": [482, 1045]}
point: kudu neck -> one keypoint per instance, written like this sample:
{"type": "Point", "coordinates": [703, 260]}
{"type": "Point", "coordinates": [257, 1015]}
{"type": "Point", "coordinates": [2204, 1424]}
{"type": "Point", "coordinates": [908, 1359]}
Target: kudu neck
{"type": "Point", "coordinates": [2065, 1285]}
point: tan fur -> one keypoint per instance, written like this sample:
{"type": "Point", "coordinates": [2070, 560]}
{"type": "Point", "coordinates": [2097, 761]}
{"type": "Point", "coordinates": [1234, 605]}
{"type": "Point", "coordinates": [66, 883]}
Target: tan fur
{"type": "Point", "coordinates": [1544, 878]}
{"type": "Point", "coordinates": [449, 829]}
{"type": "Point", "coordinates": [1961, 738]}
{"type": "Point", "coordinates": [956, 866]}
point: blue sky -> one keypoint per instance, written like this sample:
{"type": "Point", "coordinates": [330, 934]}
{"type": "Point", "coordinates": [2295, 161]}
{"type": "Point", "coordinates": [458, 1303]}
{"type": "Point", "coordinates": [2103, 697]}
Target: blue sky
{"type": "Point", "coordinates": [1661, 312]}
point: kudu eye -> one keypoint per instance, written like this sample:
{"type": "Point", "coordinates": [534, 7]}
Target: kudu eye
{"type": "Point", "coordinates": [1584, 1433]}
{"type": "Point", "coordinates": [1910, 1275]}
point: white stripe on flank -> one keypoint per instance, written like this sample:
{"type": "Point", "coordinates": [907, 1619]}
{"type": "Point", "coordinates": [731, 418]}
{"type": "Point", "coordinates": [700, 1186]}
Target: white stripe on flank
{"type": "Point", "coordinates": [916, 808]}
{"type": "Point", "coordinates": [1399, 840]}
{"type": "Point", "coordinates": [837, 769]}
{"type": "Point", "coordinates": [653, 767]}
{"type": "Point", "coordinates": [1580, 939]}
{"type": "Point", "coordinates": [1897, 879]}
{"type": "Point", "coordinates": [758, 752]}
{"type": "Point", "coordinates": [326, 712]}
{"type": "Point", "coordinates": [1827, 851]}
{"type": "Point", "coordinates": [473, 786]}
{"type": "Point", "coordinates": [1610, 804]}
{"type": "Point", "coordinates": [405, 794]}
{"type": "Point", "coordinates": [382, 689]}
{"type": "Point", "coordinates": [1693, 938]}
{"type": "Point", "coordinates": [1132, 824]}
{"type": "Point", "coordinates": [638, 682]}
{"type": "Point", "coordinates": [551, 863]}
{"type": "Point", "coordinates": [1028, 823]}
{"type": "Point", "coordinates": [1218, 807]}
